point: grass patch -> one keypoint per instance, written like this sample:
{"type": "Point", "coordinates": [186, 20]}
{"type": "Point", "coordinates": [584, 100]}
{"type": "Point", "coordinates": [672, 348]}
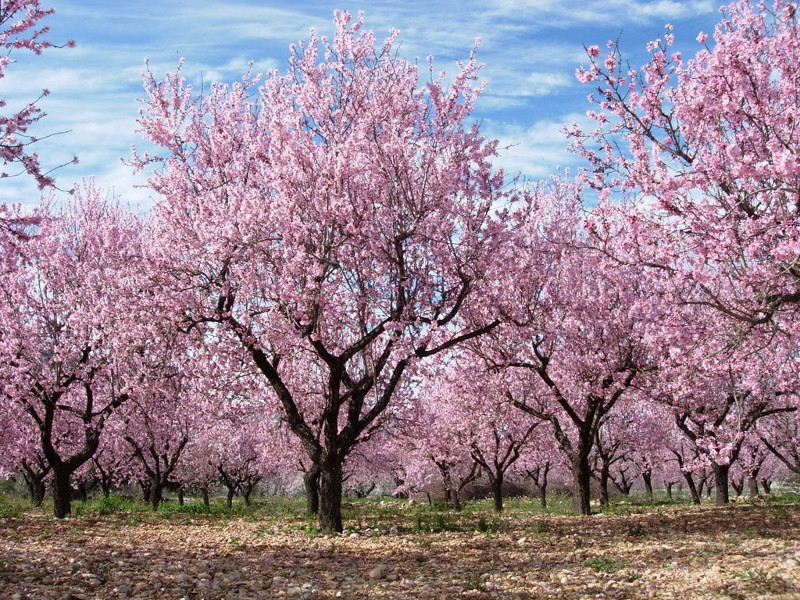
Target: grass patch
{"type": "Point", "coordinates": [607, 565]}
{"type": "Point", "coordinates": [8, 511]}
{"type": "Point", "coordinates": [106, 506]}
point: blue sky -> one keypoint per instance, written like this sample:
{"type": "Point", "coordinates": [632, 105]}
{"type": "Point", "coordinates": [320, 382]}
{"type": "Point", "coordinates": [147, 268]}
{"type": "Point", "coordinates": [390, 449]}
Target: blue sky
{"type": "Point", "coordinates": [531, 49]}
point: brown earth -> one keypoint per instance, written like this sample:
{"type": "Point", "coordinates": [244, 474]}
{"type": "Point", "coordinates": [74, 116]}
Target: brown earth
{"type": "Point", "coordinates": [737, 552]}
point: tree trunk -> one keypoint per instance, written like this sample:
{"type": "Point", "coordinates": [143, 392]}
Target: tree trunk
{"type": "Point", "coordinates": [738, 486]}
{"type": "Point", "coordinates": [668, 487]}
{"type": "Point", "coordinates": [181, 498]}
{"type": "Point", "coordinates": [721, 483]}
{"type": "Point", "coordinates": [146, 490]}
{"type": "Point", "coordinates": [692, 487]}
{"type": "Point", "coordinates": [62, 490]}
{"type": "Point", "coordinates": [647, 477]}
{"type": "Point", "coordinates": [36, 490]}
{"type": "Point", "coordinates": [82, 492]}
{"type": "Point", "coordinates": [34, 481]}
{"type": "Point", "coordinates": [456, 499]}
{"type": "Point", "coordinates": [311, 484]}
{"type": "Point", "coordinates": [330, 496]}
{"type": "Point", "coordinates": [497, 492]}
{"type": "Point", "coordinates": [604, 476]}
{"type": "Point", "coordinates": [206, 498]}
{"type": "Point", "coordinates": [752, 483]}
{"type": "Point", "coordinates": [766, 485]}
{"type": "Point", "coordinates": [542, 489]}
{"type": "Point", "coordinates": [582, 485]}
{"type": "Point", "coordinates": [229, 496]}
{"type": "Point", "coordinates": [156, 494]}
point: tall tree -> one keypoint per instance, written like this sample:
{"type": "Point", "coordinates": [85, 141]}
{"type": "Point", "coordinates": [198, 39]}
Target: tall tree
{"type": "Point", "coordinates": [336, 216]}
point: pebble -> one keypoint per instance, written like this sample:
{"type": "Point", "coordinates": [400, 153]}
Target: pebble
{"type": "Point", "coordinates": [377, 573]}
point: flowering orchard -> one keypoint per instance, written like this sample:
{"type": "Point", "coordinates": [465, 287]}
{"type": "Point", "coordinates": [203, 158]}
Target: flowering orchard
{"type": "Point", "coordinates": [336, 287]}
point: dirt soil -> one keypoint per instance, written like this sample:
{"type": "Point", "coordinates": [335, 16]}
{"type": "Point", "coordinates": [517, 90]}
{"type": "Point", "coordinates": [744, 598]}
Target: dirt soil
{"type": "Point", "coordinates": [738, 552]}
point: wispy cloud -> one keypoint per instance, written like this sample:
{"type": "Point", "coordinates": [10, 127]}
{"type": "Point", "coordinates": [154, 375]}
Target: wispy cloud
{"type": "Point", "coordinates": [530, 49]}
{"type": "Point", "coordinates": [534, 151]}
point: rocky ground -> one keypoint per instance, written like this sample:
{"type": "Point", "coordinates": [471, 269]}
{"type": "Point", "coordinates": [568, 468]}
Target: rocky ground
{"type": "Point", "coordinates": [737, 552]}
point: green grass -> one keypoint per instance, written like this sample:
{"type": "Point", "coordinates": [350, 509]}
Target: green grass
{"type": "Point", "coordinates": [106, 506]}
{"type": "Point", "coordinates": [600, 563]}
{"type": "Point", "coordinates": [379, 516]}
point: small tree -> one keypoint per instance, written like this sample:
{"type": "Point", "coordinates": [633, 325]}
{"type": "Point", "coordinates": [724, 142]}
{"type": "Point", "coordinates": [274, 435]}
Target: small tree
{"type": "Point", "coordinates": [66, 338]}
{"type": "Point", "coordinates": [580, 326]}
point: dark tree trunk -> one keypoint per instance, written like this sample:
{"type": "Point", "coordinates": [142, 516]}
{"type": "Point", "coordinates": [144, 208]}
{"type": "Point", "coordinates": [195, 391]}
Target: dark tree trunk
{"type": "Point", "coordinates": [668, 487]}
{"type": "Point", "coordinates": [330, 495]}
{"type": "Point", "coordinates": [34, 481]}
{"type": "Point", "coordinates": [181, 499]}
{"type": "Point", "coordinates": [721, 483]}
{"type": "Point", "coordinates": [766, 485]}
{"type": "Point", "coordinates": [156, 494]}
{"type": "Point", "coordinates": [582, 485]}
{"type": "Point", "coordinates": [538, 477]}
{"type": "Point", "coordinates": [247, 487]}
{"type": "Point", "coordinates": [497, 491]}
{"type": "Point", "coordinates": [622, 484]}
{"type": "Point", "coordinates": [647, 478]}
{"type": "Point", "coordinates": [146, 490]}
{"type": "Point", "coordinates": [206, 498]}
{"type": "Point", "coordinates": [692, 487]}
{"type": "Point", "coordinates": [229, 496]}
{"type": "Point", "coordinates": [62, 491]}
{"type": "Point", "coordinates": [311, 484]}
{"type": "Point", "coordinates": [36, 490]}
{"type": "Point", "coordinates": [81, 489]}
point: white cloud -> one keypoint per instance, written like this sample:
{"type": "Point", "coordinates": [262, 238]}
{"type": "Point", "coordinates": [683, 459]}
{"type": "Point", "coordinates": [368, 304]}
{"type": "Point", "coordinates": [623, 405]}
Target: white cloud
{"type": "Point", "coordinates": [536, 151]}
{"type": "Point", "coordinates": [530, 47]}
{"type": "Point", "coordinates": [562, 14]}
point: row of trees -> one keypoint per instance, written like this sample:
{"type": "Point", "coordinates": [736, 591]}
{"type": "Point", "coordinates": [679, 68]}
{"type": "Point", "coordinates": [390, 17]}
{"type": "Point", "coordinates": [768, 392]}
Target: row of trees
{"type": "Point", "coordinates": [332, 251]}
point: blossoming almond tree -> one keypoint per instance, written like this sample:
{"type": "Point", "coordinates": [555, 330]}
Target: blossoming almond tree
{"type": "Point", "coordinates": [64, 333]}
{"type": "Point", "coordinates": [708, 148]}
{"type": "Point", "coordinates": [338, 212]}
{"type": "Point", "coordinates": [719, 384]}
{"type": "Point", "coordinates": [583, 328]}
